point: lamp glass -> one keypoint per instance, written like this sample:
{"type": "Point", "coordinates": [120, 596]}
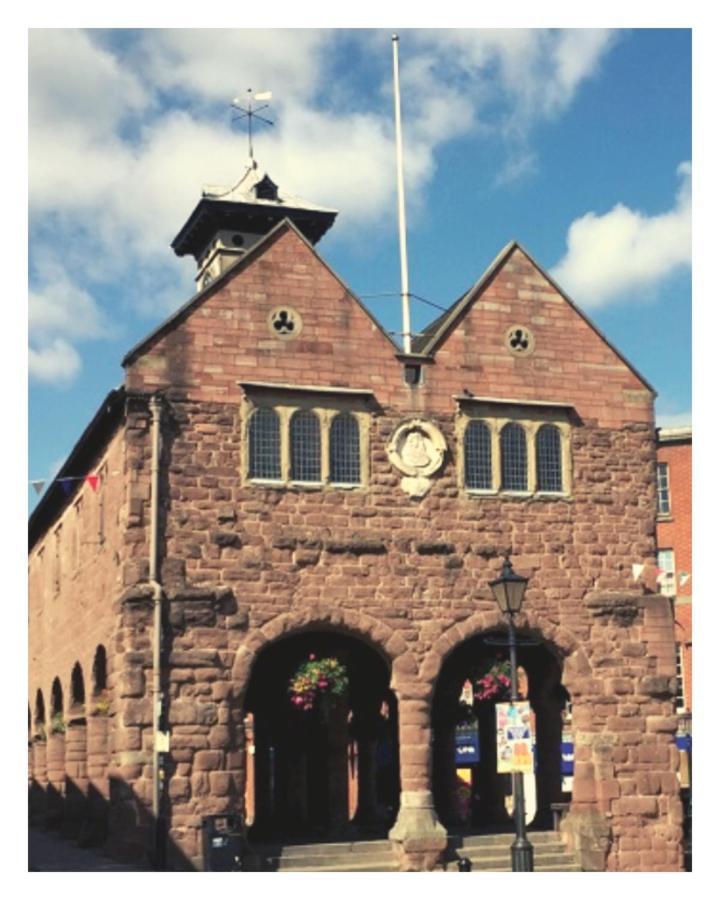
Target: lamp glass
{"type": "Point", "coordinates": [509, 589]}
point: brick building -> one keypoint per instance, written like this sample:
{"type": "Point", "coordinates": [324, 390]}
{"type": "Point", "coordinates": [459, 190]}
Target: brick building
{"type": "Point", "coordinates": [277, 481]}
{"type": "Point", "coordinates": [674, 540]}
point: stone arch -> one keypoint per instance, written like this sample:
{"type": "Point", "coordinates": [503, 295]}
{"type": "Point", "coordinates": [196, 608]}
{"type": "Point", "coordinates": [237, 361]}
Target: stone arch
{"type": "Point", "coordinates": [371, 631]}
{"type": "Point", "coordinates": [56, 699]}
{"type": "Point", "coordinates": [77, 691]}
{"type": "Point", "coordinates": [98, 748]}
{"type": "Point", "coordinates": [56, 756]}
{"type": "Point", "coordinates": [559, 640]}
{"type": "Point", "coordinates": [99, 672]}
{"type": "Point", "coordinates": [39, 722]}
{"type": "Point", "coordinates": [372, 638]}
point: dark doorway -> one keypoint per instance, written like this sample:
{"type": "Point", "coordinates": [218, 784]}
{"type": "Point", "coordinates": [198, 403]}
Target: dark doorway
{"type": "Point", "coordinates": [469, 794]}
{"type": "Point", "coordinates": [331, 771]}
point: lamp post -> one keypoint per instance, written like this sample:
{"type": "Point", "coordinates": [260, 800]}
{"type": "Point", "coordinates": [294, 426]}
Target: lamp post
{"type": "Point", "coordinates": [509, 591]}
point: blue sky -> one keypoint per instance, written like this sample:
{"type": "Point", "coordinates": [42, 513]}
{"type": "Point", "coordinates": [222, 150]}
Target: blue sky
{"type": "Point", "coordinates": [576, 143]}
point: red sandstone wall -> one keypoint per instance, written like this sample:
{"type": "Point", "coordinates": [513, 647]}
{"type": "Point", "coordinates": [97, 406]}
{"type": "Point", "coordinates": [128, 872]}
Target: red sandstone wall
{"type": "Point", "coordinates": [67, 623]}
{"type": "Point", "coordinates": [226, 339]}
{"type": "Point", "coordinates": [242, 565]}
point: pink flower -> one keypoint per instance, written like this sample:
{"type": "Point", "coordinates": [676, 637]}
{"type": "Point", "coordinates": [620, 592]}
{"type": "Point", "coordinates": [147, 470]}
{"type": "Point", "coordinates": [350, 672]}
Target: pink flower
{"type": "Point", "coordinates": [312, 656]}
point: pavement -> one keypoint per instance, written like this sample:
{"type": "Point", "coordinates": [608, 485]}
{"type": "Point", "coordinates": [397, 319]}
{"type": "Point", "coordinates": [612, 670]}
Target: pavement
{"type": "Point", "coordinates": [49, 852]}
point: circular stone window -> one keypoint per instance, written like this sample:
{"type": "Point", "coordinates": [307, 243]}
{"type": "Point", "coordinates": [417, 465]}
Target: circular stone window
{"type": "Point", "coordinates": [285, 322]}
{"type": "Point", "coordinates": [519, 340]}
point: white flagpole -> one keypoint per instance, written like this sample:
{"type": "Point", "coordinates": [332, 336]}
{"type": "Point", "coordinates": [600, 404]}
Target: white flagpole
{"type": "Point", "coordinates": [405, 290]}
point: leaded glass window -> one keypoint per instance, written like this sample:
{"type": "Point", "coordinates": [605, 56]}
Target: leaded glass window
{"type": "Point", "coordinates": [264, 444]}
{"type": "Point", "coordinates": [548, 459]}
{"type": "Point", "coordinates": [513, 458]}
{"type": "Point", "coordinates": [478, 466]}
{"type": "Point", "coordinates": [344, 450]}
{"type": "Point", "coordinates": [305, 446]}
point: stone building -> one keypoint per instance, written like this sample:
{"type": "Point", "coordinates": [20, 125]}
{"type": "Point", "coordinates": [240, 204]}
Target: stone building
{"type": "Point", "coordinates": [278, 481]}
{"type": "Point", "coordinates": [674, 540]}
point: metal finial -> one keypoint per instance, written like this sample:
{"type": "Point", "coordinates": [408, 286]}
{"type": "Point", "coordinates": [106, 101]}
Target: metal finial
{"type": "Point", "coordinates": [247, 111]}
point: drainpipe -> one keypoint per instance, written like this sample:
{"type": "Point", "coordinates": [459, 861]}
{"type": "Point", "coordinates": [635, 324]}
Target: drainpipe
{"type": "Point", "coordinates": [160, 738]}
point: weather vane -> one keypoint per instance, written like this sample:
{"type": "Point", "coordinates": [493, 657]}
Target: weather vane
{"type": "Point", "coordinates": [247, 112]}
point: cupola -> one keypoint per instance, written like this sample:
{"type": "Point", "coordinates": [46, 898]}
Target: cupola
{"type": "Point", "coordinates": [227, 222]}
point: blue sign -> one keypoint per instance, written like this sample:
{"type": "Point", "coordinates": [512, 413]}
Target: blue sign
{"type": "Point", "coordinates": [567, 762]}
{"type": "Point", "coordinates": [683, 742]}
{"type": "Point", "coordinates": [467, 745]}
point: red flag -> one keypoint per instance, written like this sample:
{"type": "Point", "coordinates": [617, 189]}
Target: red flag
{"type": "Point", "coordinates": [93, 481]}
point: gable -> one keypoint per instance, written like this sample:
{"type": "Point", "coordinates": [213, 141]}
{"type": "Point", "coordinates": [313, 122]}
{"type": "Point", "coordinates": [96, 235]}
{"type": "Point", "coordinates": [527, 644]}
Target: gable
{"type": "Point", "coordinates": [277, 316]}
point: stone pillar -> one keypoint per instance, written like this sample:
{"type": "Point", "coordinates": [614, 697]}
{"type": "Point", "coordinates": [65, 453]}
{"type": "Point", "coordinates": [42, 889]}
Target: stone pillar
{"type": "Point", "coordinates": [417, 831]}
{"type": "Point", "coordinates": [98, 794]}
{"type": "Point", "coordinates": [39, 783]}
{"type": "Point", "coordinates": [76, 781]}
{"type": "Point", "coordinates": [56, 779]}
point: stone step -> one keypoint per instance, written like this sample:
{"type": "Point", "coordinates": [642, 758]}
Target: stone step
{"type": "Point", "coordinates": [536, 838]}
{"type": "Point", "coordinates": [287, 851]}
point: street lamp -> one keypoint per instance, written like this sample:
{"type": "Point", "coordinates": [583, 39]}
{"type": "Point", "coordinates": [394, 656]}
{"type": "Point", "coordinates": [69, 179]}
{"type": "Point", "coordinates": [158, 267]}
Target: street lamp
{"type": "Point", "coordinates": [509, 591]}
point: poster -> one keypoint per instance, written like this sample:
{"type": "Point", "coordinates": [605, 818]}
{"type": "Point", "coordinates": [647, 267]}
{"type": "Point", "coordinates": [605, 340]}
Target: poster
{"type": "Point", "coordinates": [514, 737]}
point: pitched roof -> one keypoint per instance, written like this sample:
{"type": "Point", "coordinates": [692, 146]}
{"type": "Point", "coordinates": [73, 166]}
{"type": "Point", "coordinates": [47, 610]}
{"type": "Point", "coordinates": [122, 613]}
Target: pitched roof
{"type": "Point", "coordinates": [436, 331]}
{"type": "Point", "coordinates": [256, 251]}
{"type": "Point", "coordinates": [96, 435]}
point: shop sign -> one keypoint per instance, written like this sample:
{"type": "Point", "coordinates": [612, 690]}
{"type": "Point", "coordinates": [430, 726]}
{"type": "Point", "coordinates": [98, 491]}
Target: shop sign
{"type": "Point", "coordinates": [467, 745]}
{"type": "Point", "coordinates": [514, 737]}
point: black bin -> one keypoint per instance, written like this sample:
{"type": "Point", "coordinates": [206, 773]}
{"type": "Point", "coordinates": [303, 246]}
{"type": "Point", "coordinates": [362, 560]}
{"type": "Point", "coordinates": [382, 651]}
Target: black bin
{"type": "Point", "coordinates": [223, 843]}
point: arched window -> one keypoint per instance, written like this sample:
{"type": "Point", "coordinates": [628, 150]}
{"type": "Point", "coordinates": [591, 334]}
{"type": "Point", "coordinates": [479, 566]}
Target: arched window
{"type": "Point", "coordinates": [513, 458]}
{"type": "Point", "coordinates": [56, 699]}
{"type": "Point", "coordinates": [304, 446]}
{"type": "Point", "coordinates": [264, 444]}
{"type": "Point", "coordinates": [344, 450]}
{"type": "Point", "coordinates": [478, 466]}
{"type": "Point", "coordinates": [77, 686]}
{"type": "Point", "coordinates": [39, 710]}
{"type": "Point", "coordinates": [548, 459]}
{"type": "Point", "coordinates": [99, 670]}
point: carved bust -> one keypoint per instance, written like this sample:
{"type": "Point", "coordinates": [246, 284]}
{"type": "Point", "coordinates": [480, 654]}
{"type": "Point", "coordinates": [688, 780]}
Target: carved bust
{"type": "Point", "coordinates": [417, 448]}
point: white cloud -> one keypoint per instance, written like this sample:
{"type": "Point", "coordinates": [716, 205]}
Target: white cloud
{"type": "Point", "coordinates": [625, 251]}
{"type": "Point", "coordinates": [674, 420]}
{"type": "Point", "coordinates": [57, 362]}
{"type": "Point", "coordinates": [57, 306]}
{"type": "Point", "coordinates": [126, 127]}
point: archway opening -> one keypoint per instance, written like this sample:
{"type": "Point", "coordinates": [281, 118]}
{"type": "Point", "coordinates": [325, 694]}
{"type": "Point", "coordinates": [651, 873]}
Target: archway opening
{"type": "Point", "coordinates": [326, 772]}
{"type": "Point", "coordinates": [469, 793]}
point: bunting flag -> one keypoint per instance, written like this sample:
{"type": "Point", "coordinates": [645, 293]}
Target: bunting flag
{"type": "Point", "coordinates": [637, 570]}
{"type": "Point", "coordinates": [660, 574]}
{"type": "Point", "coordinates": [684, 578]}
{"type": "Point", "coordinates": [67, 482]}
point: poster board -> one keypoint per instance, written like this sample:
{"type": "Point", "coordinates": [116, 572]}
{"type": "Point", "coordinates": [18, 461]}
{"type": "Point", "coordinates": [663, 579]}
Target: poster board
{"type": "Point", "coordinates": [514, 737]}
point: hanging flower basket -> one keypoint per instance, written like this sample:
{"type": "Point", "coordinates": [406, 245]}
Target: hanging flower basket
{"type": "Point", "coordinates": [317, 679]}
{"type": "Point", "coordinates": [493, 683]}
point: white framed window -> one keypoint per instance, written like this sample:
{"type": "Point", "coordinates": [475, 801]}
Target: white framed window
{"type": "Point", "coordinates": [667, 577]}
{"type": "Point", "coordinates": [663, 489]}
{"type": "Point", "coordinates": [680, 678]}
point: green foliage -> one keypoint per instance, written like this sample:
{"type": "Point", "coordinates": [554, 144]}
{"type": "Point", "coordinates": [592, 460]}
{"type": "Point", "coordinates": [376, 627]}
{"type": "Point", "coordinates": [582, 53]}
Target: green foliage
{"type": "Point", "coordinates": [57, 724]}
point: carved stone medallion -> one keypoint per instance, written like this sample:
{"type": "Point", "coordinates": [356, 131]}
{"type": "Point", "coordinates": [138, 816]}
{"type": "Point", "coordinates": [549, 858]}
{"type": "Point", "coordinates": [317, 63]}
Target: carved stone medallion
{"type": "Point", "coordinates": [417, 448]}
